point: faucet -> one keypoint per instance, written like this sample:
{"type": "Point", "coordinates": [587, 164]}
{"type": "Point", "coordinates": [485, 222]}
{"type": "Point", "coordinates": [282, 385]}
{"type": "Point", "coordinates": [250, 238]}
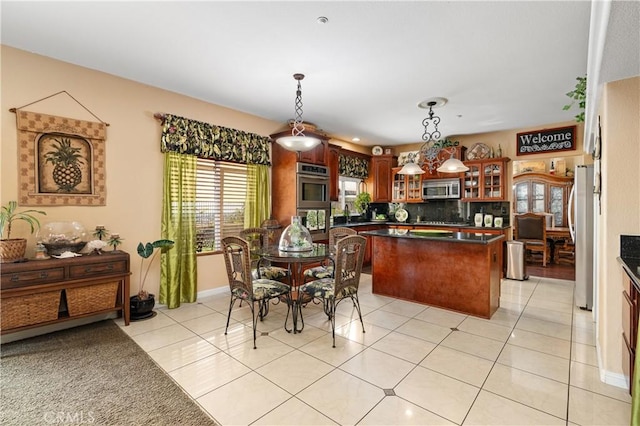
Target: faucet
{"type": "Point", "coordinates": [347, 214]}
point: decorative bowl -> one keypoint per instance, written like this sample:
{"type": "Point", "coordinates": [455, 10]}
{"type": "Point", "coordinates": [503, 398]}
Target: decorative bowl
{"type": "Point", "coordinates": [60, 237]}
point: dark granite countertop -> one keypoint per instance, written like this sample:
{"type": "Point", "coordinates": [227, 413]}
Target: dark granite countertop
{"type": "Point", "coordinates": [460, 237]}
{"type": "Point", "coordinates": [630, 257]}
{"type": "Point", "coordinates": [419, 224]}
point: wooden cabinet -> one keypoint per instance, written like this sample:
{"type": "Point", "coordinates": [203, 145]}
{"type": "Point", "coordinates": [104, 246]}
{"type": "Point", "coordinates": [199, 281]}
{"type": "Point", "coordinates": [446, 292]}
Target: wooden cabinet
{"type": "Point", "coordinates": [43, 292]}
{"type": "Point", "coordinates": [540, 193]}
{"type": "Point", "coordinates": [485, 180]}
{"type": "Point", "coordinates": [367, 250]}
{"type": "Point", "coordinates": [334, 172]}
{"type": "Point", "coordinates": [630, 312]}
{"type": "Point", "coordinates": [405, 188]}
{"type": "Point", "coordinates": [317, 155]}
{"type": "Point", "coordinates": [380, 178]}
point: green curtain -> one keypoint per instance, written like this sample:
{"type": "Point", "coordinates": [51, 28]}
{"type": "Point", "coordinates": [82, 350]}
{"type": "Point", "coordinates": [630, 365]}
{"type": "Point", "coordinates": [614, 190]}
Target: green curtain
{"type": "Point", "coordinates": [258, 201]}
{"type": "Point", "coordinates": [178, 274]}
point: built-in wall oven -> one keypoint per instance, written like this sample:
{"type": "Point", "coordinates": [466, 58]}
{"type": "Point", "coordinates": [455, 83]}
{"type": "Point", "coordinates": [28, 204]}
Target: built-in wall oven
{"type": "Point", "coordinates": [312, 199]}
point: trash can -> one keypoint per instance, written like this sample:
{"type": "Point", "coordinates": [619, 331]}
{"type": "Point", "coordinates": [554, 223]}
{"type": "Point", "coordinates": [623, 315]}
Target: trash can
{"type": "Point", "coordinates": [516, 268]}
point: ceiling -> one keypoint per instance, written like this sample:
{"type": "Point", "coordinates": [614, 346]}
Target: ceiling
{"type": "Point", "coordinates": [501, 65]}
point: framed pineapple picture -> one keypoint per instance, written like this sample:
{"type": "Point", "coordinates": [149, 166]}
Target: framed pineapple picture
{"type": "Point", "coordinates": [62, 160]}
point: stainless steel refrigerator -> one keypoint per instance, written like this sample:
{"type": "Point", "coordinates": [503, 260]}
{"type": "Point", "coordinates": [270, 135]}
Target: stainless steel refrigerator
{"type": "Point", "coordinates": [581, 207]}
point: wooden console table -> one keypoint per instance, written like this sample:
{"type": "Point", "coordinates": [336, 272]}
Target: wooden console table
{"type": "Point", "coordinates": [42, 292]}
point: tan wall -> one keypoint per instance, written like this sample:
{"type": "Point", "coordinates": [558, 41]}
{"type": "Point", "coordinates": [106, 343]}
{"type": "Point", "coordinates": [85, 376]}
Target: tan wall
{"type": "Point", "coordinates": [620, 214]}
{"type": "Point", "coordinates": [134, 162]}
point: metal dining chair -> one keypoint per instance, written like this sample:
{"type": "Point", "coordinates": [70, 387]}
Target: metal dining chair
{"type": "Point", "coordinates": [258, 239]}
{"type": "Point", "coordinates": [243, 285]}
{"type": "Point", "coordinates": [344, 284]}
{"type": "Point", "coordinates": [325, 270]}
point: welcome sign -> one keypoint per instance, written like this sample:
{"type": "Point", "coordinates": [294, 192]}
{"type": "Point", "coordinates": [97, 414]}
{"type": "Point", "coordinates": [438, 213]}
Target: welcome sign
{"type": "Point", "coordinates": [548, 140]}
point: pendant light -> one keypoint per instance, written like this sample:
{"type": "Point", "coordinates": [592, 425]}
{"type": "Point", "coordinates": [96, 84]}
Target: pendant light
{"type": "Point", "coordinates": [410, 167]}
{"type": "Point", "coordinates": [298, 141]}
{"type": "Point", "coordinates": [429, 152]}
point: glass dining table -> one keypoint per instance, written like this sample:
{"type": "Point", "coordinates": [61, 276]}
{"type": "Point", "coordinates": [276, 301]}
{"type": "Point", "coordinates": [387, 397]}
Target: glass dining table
{"type": "Point", "coordinates": [295, 261]}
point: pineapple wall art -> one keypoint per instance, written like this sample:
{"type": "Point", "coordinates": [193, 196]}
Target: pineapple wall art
{"type": "Point", "coordinates": [64, 164]}
{"type": "Point", "coordinates": [62, 160]}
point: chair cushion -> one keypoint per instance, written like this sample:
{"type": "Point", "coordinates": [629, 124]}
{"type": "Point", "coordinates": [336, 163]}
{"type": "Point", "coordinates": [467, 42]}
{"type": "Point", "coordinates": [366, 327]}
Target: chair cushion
{"type": "Point", "coordinates": [323, 289]}
{"type": "Point", "coordinates": [263, 289]}
{"type": "Point", "coordinates": [270, 272]}
{"type": "Point", "coordinates": [319, 272]}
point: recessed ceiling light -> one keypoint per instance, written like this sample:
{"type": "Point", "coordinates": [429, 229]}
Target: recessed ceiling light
{"type": "Point", "coordinates": [432, 102]}
{"type": "Point", "coordinates": [322, 20]}
{"type": "Point", "coordinates": [355, 140]}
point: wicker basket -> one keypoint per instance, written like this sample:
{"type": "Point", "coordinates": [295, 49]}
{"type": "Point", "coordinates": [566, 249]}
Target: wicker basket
{"type": "Point", "coordinates": [82, 300]}
{"type": "Point", "coordinates": [12, 250]}
{"type": "Point", "coordinates": [30, 309]}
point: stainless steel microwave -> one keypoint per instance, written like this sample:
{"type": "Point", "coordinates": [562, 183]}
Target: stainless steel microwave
{"type": "Point", "coordinates": [437, 189]}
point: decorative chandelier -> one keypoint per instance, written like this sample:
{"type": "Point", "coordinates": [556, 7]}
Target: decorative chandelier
{"type": "Point", "coordinates": [429, 152]}
{"type": "Point", "coordinates": [298, 141]}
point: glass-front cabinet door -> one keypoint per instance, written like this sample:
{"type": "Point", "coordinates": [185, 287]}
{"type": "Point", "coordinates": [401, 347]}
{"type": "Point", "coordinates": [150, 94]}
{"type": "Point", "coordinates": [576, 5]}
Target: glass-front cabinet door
{"type": "Point", "coordinates": [492, 173]}
{"type": "Point", "coordinates": [399, 187]}
{"type": "Point", "coordinates": [472, 181]}
{"type": "Point", "coordinates": [538, 204]}
{"type": "Point", "coordinates": [521, 197]}
{"type": "Point", "coordinates": [414, 187]}
{"type": "Point", "coordinates": [558, 204]}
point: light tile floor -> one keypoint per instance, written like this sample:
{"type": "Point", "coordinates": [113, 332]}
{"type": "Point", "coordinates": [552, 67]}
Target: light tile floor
{"type": "Point", "coordinates": [533, 363]}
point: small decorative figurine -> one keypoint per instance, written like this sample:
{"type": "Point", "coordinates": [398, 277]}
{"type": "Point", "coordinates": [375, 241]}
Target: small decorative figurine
{"type": "Point", "coordinates": [100, 232]}
{"type": "Point", "coordinates": [115, 241]}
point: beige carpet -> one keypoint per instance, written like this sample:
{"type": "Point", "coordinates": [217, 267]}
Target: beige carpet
{"type": "Point", "coordinates": [94, 374]}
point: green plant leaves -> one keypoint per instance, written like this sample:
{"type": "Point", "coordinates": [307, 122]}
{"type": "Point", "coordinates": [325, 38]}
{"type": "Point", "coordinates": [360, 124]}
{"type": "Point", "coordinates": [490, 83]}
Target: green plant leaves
{"type": "Point", "coordinates": [146, 250]}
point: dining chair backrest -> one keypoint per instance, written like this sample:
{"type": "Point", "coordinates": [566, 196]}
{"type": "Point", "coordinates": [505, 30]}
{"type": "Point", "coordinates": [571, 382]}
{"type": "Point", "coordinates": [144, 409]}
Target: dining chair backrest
{"type": "Point", "coordinates": [348, 263]}
{"type": "Point", "coordinates": [256, 237]}
{"type": "Point", "coordinates": [339, 232]}
{"type": "Point", "coordinates": [237, 259]}
{"type": "Point", "coordinates": [530, 226]}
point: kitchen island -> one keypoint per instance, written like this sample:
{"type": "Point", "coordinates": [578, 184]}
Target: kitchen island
{"type": "Point", "coordinates": [459, 271]}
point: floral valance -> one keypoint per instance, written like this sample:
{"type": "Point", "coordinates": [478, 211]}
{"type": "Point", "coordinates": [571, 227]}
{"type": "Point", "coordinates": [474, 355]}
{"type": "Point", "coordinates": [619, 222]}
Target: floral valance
{"type": "Point", "coordinates": [205, 140]}
{"type": "Point", "coordinates": [352, 166]}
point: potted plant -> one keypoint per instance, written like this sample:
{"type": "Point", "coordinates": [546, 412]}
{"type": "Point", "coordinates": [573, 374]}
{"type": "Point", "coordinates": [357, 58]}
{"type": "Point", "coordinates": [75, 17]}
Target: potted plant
{"type": "Point", "coordinates": [13, 249]}
{"type": "Point", "coordinates": [362, 202]}
{"type": "Point", "coordinates": [142, 303]}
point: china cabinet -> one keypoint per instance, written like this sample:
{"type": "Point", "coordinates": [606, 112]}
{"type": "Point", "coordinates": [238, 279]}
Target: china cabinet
{"type": "Point", "coordinates": [485, 180]}
{"type": "Point", "coordinates": [542, 193]}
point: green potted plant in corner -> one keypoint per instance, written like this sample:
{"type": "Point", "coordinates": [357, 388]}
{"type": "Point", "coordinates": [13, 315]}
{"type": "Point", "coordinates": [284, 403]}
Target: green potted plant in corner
{"type": "Point", "coordinates": [142, 303]}
{"type": "Point", "coordinates": [13, 249]}
{"type": "Point", "coordinates": [362, 202]}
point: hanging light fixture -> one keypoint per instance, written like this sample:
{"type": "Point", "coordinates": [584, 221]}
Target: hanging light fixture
{"type": "Point", "coordinates": [298, 141]}
{"type": "Point", "coordinates": [410, 167]}
{"type": "Point", "coordinates": [430, 151]}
